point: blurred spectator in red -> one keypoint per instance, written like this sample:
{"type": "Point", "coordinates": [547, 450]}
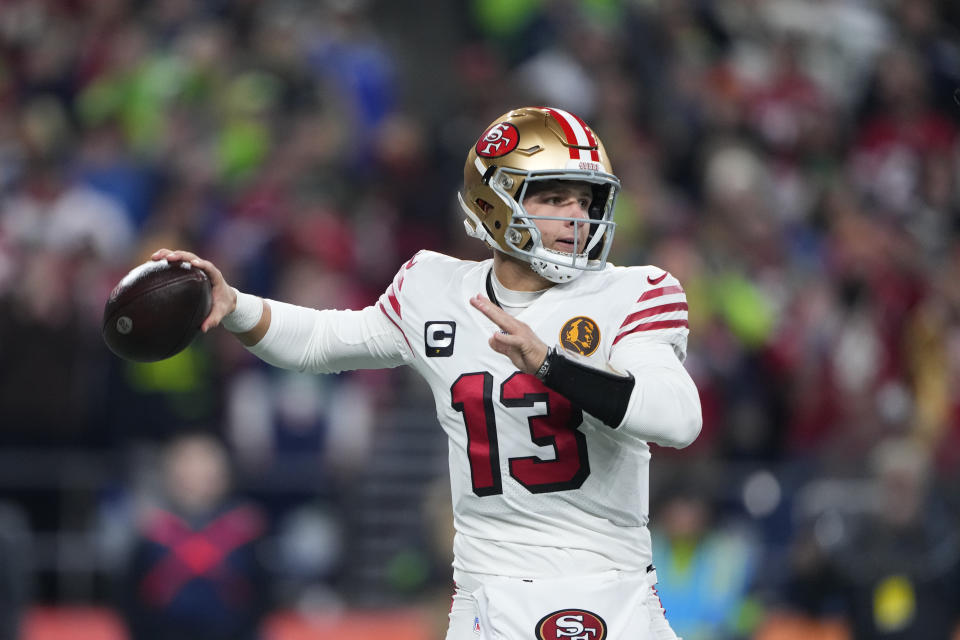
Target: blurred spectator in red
{"type": "Point", "coordinates": [195, 572]}
{"type": "Point", "coordinates": [900, 133]}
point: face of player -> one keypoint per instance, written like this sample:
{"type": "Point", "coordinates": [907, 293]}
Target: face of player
{"type": "Point", "coordinates": [562, 199]}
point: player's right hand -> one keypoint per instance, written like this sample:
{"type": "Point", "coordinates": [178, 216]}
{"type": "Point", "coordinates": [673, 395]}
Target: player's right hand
{"type": "Point", "coordinates": [516, 339]}
{"type": "Point", "coordinates": [224, 297]}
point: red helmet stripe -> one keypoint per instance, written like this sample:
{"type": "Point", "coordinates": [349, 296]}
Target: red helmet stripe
{"type": "Point", "coordinates": [594, 154]}
{"type": "Point", "coordinates": [567, 131]}
{"type": "Point", "coordinates": [577, 133]}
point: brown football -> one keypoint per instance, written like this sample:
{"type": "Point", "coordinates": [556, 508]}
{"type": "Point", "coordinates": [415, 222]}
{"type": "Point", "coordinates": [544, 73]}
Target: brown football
{"type": "Point", "coordinates": [156, 310]}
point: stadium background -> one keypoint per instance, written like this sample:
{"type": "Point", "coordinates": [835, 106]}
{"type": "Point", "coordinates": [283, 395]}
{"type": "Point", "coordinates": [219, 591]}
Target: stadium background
{"type": "Point", "coordinates": [792, 162]}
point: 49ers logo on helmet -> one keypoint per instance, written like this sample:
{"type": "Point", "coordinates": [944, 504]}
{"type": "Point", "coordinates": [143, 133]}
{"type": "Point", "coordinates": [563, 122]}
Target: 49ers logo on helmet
{"type": "Point", "coordinates": [571, 624]}
{"type": "Point", "coordinates": [498, 140]}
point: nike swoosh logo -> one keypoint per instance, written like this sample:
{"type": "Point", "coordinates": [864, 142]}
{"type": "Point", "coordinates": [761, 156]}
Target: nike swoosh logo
{"type": "Point", "coordinates": [657, 279]}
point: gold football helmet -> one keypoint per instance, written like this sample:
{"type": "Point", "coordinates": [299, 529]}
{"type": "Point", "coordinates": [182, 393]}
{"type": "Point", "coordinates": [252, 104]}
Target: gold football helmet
{"type": "Point", "coordinates": [523, 146]}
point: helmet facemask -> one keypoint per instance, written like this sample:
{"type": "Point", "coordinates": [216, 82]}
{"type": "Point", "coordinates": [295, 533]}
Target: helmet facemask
{"type": "Point", "coordinates": [524, 239]}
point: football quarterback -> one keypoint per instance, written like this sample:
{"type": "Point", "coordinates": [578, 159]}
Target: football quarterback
{"type": "Point", "coordinates": [551, 369]}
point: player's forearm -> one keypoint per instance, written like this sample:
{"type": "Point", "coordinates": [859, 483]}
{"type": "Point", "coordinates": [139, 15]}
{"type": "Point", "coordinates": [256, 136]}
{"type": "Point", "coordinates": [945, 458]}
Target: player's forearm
{"type": "Point", "coordinates": [602, 394]}
{"type": "Point", "coordinates": [328, 341]}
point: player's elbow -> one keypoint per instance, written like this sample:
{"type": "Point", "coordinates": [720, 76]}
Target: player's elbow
{"type": "Point", "coordinates": [683, 431]}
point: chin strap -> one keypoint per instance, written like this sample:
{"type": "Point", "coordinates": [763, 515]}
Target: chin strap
{"type": "Point", "coordinates": [554, 272]}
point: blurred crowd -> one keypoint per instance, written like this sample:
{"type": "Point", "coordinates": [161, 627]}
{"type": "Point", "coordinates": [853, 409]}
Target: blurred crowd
{"type": "Point", "coordinates": [793, 162]}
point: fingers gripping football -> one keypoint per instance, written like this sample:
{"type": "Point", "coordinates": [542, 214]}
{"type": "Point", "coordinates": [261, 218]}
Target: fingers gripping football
{"type": "Point", "coordinates": [224, 297]}
{"type": "Point", "coordinates": [516, 340]}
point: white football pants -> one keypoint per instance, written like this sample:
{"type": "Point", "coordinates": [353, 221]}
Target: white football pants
{"type": "Point", "coordinates": [496, 608]}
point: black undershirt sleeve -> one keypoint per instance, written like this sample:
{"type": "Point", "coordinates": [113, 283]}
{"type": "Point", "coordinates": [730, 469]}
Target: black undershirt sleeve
{"type": "Point", "coordinates": [602, 394]}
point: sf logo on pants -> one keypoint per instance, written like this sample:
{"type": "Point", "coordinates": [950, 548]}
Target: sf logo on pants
{"type": "Point", "coordinates": [571, 624]}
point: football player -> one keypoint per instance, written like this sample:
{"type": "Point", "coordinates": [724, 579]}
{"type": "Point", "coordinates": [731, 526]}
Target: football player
{"type": "Point", "coordinates": [551, 369]}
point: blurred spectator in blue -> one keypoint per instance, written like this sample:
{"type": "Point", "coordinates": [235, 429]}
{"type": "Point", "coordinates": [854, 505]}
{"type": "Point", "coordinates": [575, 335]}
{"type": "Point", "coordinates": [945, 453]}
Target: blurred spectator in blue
{"type": "Point", "coordinates": [356, 70]}
{"type": "Point", "coordinates": [705, 567]}
{"type": "Point", "coordinates": [195, 572]}
{"type": "Point", "coordinates": [105, 165]}
{"type": "Point", "coordinates": [887, 559]}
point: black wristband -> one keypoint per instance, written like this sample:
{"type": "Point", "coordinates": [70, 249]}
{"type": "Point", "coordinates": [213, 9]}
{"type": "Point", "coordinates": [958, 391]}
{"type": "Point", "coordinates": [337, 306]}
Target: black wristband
{"type": "Point", "coordinates": [545, 367]}
{"type": "Point", "coordinates": [600, 393]}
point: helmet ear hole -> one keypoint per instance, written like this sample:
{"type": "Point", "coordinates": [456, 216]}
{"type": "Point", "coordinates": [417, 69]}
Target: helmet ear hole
{"type": "Point", "coordinates": [485, 206]}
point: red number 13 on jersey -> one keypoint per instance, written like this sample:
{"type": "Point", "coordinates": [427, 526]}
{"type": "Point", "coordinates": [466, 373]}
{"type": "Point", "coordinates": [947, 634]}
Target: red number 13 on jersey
{"type": "Point", "coordinates": [472, 395]}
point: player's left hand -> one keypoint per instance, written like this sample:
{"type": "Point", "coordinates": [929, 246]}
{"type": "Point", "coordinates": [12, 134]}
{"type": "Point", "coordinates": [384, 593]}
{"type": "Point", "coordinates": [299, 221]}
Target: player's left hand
{"type": "Point", "coordinates": [517, 340]}
{"type": "Point", "coordinates": [224, 297]}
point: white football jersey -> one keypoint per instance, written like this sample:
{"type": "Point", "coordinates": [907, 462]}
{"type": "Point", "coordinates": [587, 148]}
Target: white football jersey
{"type": "Point", "coordinates": [536, 483]}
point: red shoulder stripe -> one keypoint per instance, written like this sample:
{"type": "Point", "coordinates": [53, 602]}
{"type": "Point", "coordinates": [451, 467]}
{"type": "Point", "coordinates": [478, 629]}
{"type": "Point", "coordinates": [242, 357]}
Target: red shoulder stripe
{"type": "Point", "coordinates": [652, 326]}
{"type": "Point", "coordinates": [384, 310]}
{"type": "Point", "coordinates": [661, 291]}
{"type": "Point", "coordinates": [403, 274]}
{"type": "Point", "coordinates": [394, 302]}
{"type": "Point", "coordinates": [653, 311]}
